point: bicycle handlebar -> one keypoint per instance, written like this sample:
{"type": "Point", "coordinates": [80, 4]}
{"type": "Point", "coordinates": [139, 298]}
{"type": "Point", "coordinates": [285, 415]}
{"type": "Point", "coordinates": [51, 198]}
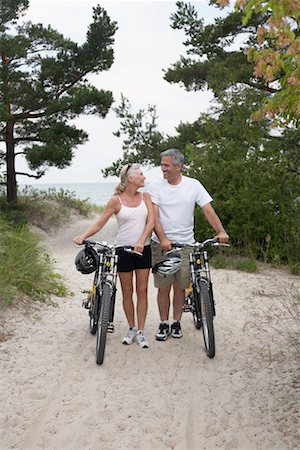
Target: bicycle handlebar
{"type": "Point", "coordinates": [213, 242]}
{"type": "Point", "coordinates": [105, 245]}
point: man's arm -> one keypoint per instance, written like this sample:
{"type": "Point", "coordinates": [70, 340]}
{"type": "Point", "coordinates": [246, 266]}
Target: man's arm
{"type": "Point", "coordinates": [165, 243]}
{"type": "Point", "coordinates": [215, 222]}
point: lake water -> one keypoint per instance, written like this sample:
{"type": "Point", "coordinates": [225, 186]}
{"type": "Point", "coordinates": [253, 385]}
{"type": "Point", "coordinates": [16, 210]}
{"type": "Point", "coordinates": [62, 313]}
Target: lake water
{"type": "Point", "coordinates": [97, 193]}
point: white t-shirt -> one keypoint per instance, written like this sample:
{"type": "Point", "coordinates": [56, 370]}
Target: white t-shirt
{"type": "Point", "coordinates": [176, 205]}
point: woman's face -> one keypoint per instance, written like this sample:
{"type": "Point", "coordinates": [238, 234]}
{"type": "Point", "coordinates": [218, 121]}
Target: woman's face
{"type": "Point", "coordinates": [137, 178]}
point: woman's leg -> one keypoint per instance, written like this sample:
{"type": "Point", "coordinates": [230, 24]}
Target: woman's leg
{"type": "Point", "coordinates": [142, 277]}
{"type": "Point", "coordinates": [127, 291]}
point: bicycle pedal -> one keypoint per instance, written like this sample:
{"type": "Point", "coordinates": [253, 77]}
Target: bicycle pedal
{"type": "Point", "coordinates": [86, 304]}
{"type": "Point", "coordinates": [110, 328]}
{"type": "Point", "coordinates": [186, 308]}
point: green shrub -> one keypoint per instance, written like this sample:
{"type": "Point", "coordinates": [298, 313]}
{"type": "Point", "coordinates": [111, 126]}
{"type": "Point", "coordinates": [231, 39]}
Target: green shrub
{"type": "Point", "coordinates": [234, 263]}
{"type": "Point", "coordinates": [25, 266]}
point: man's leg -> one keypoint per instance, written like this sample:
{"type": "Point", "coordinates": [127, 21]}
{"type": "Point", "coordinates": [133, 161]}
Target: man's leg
{"type": "Point", "coordinates": [178, 301]}
{"type": "Point", "coordinates": [163, 301]}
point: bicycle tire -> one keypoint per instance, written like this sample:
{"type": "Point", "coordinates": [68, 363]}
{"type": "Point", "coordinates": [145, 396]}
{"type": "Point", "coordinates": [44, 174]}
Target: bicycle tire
{"type": "Point", "coordinates": [94, 314]}
{"type": "Point", "coordinates": [207, 320]}
{"type": "Point", "coordinates": [196, 309]}
{"type": "Point", "coordinates": [103, 323]}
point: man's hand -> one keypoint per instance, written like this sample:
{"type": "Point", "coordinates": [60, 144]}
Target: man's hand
{"type": "Point", "coordinates": [223, 237]}
{"type": "Point", "coordinates": [166, 245]}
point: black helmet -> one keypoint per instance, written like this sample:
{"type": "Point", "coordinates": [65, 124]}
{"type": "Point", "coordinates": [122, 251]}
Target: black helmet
{"type": "Point", "coordinates": [86, 260]}
{"type": "Point", "coordinates": [168, 266]}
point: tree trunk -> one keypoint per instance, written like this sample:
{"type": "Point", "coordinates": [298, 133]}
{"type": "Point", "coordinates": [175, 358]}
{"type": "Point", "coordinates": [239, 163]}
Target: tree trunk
{"type": "Point", "coordinates": [11, 196]}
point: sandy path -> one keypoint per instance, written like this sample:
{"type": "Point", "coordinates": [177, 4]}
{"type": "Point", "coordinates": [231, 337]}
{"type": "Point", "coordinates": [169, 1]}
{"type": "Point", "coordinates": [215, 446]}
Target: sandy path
{"type": "Point", "coordinates": [170, 396]}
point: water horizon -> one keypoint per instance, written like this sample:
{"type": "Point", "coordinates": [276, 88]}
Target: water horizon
{"type": "Point", "coordinates": [97, 193]}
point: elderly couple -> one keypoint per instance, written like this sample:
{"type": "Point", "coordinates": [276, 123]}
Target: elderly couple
{"type": "Point", "coordinates": [168, 208]}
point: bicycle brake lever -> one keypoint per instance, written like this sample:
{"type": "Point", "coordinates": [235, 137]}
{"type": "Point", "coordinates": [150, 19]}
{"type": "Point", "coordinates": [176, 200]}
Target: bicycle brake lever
{"type": "Point", "coordinates": [173, 250]}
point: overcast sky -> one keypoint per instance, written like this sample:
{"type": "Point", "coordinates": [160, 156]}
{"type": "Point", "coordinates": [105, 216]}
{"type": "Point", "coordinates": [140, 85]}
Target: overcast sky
{"type": "Point", "coordinates": [145, 45]}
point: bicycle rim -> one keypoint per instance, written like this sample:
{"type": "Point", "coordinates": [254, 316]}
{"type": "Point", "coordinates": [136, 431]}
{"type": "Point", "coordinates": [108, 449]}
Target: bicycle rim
{"type": "Point", "coordinates": [103, 323]}
{"type": "Point", "coordinates": [207, 321]}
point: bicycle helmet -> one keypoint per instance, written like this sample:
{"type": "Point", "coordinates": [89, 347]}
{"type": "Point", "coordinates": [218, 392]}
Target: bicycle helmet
{"type": "Point", "coordinates": [168, 266]}
{"type": "Point", "coordinates": [86, 261]}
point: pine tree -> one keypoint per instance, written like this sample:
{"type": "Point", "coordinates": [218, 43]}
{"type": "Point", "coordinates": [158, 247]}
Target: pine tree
{"type": "Point", "coordinates": [43, 85]}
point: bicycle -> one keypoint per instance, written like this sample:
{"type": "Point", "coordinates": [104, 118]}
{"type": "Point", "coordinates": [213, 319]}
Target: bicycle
{"type": "Point", "coordinates": [199, 297]}
{"type": "Point", "coordinates": [101, 299]}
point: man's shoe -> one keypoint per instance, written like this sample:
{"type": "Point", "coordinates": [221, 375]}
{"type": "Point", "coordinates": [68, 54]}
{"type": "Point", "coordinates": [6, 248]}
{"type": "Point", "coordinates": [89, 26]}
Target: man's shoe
{"type": "Point", "coordinates": [176, 330]}
{"type": "Point", "coordinates": [141, 339]}
{"type": "Point", "coordinates": [129, 338]}
{"type": "Point", "coordinates": [163, 332]}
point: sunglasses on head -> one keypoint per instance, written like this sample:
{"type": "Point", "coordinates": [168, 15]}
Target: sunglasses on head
{"type": "Point", "coordinates": [128, 167]}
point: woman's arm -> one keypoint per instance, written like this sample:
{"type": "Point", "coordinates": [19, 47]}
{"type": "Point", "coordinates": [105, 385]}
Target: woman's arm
{"type": "Point", "coordinates": [112, 207]}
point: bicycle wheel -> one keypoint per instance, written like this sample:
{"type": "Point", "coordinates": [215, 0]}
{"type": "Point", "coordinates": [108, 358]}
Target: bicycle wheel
{"type": "Point", "coordinates": [196, 309]}
{"type": "Point", "coordinates": [94, 314]}
{"type": "Point", "coordinates": [207, 320]}
{"type": "Point", "coordinates": [103, 323]}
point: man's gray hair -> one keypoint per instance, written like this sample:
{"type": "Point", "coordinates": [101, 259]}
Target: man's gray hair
{"type": "Point", "coordinates": [178, 157]}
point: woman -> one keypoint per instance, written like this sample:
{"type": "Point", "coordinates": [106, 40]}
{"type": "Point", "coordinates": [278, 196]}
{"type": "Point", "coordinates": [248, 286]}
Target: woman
{"type": "Point", "coordinates": [135, 217]}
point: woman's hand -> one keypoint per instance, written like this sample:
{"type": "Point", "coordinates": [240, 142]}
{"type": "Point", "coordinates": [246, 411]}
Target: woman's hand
{"type": "Point", "coordinates": [78, 240]}
{"type": "Point", "coordinates": [139, 247]}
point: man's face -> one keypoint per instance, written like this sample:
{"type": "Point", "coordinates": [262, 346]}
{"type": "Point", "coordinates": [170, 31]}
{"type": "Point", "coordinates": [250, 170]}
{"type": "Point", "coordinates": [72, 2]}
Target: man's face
{"type": "Point", "coordinates": [170, 171]}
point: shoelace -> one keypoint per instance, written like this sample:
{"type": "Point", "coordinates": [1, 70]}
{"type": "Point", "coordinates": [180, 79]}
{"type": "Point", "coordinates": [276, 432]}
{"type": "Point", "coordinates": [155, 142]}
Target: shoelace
{"type": "Point", "coordinates": [141, 337]}
{"type": "Point", "coordinates": [130, 334]}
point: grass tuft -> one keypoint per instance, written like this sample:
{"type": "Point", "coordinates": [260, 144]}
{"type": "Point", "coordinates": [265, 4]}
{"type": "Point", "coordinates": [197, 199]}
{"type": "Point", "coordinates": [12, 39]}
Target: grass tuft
{"type": "Point", "coordinates": [25, 266]}
{"type": "Point", "coordinates": [234, 263]}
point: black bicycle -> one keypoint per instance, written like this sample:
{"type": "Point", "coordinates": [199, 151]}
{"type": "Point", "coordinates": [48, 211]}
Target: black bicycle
{"type": "Point", "coordinates": [101, 298]}
{"type": "Point", "coordinates": [199, 297]}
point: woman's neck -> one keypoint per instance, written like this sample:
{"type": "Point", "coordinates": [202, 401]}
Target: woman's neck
{"type": "Point", "coordinates": [130, 191]}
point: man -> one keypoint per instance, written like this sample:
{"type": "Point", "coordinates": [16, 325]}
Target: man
{"type": "Point", "coordinates": [174, 198]}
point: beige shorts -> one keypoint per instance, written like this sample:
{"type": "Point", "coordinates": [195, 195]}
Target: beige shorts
{"type": "Point", "coordinates": [181, 278]}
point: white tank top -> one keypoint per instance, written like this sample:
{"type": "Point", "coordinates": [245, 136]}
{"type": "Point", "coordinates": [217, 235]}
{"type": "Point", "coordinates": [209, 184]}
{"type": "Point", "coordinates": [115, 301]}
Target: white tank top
{"type": "Point", "coordinates": [131, 223]}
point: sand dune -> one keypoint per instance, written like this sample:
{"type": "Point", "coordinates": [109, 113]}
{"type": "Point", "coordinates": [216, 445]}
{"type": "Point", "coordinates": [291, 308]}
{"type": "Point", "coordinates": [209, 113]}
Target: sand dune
{"type": "Point", "coordinates": [170, 396]}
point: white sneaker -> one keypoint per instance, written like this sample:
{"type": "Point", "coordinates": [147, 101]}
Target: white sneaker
{"type": "Point", "coordinates": [129, 338]}
{"type": "Point", "coordinates": [141, 339]}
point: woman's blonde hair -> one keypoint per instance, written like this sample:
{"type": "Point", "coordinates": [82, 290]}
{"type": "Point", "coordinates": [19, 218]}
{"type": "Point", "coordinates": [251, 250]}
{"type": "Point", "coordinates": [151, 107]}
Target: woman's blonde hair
{"type": "Point", "coordinates": [125, 172]}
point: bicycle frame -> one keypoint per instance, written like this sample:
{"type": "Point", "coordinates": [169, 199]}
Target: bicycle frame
{"type": "Point", "coordinates": [108, 260]}
{"type": "Point", "coordinates": [101, 299]}
{"type": "Point", "coordinates": [199, 297]}
{"type": "Point", "coordinates": [200, 272]}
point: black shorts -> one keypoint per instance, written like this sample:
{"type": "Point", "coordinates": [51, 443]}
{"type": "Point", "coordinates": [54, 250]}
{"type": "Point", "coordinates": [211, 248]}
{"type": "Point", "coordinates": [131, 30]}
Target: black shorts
{"type": "Point", "coordinates": [128, 262]}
